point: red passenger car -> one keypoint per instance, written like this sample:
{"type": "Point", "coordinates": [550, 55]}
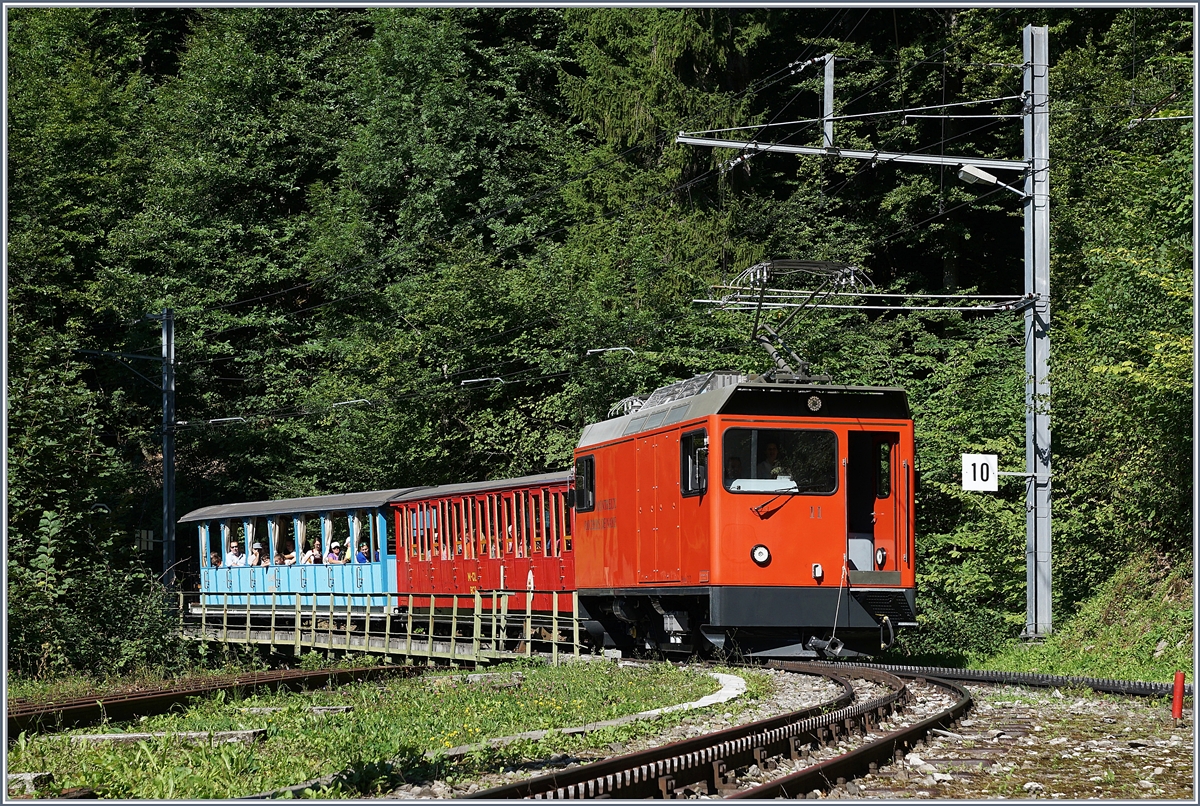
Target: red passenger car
{"type": "Point", "coordinates": [776, 516]}
{"type": "Point", "coordinates": [509, 535]}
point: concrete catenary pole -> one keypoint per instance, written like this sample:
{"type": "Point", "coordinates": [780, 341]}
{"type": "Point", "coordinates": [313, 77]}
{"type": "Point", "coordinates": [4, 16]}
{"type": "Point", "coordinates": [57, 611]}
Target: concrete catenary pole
{"type": "Point", "coordinates": [1038, 620]}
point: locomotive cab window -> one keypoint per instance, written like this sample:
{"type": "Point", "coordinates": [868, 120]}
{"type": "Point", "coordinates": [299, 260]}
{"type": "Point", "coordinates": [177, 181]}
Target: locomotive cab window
{"type": "Point", "coordinates": [693, 463]}
{"type": "Point", "coordinates": [585, 484]}
{"type": "Point", "coordinates": [780, 460]}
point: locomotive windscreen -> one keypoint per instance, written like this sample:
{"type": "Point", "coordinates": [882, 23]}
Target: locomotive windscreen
{"type": "Point", "coordinates": [780, 460]}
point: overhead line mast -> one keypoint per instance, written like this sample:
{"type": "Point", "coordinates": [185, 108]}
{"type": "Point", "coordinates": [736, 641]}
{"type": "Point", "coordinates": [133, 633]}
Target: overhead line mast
{"type": "Point", "coordinates": [1035, 303]}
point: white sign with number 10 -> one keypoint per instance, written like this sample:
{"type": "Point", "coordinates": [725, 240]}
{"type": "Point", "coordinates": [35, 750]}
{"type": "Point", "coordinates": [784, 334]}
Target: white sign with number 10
{"type": "Point", "coordinates": [979, 472]}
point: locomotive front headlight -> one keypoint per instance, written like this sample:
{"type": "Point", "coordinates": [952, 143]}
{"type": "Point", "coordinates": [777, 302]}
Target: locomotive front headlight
{"type": "Point", "coordinates": [760, 554]}
{"type": "Point", "coordinates": [880, 556]}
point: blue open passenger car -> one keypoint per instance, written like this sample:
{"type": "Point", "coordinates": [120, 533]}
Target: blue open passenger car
{"type": "Point", "coordinates": [287, 529]}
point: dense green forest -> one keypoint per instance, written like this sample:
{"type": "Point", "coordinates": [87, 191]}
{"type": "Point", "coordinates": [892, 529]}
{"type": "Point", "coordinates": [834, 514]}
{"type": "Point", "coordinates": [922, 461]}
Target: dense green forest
{"type": "Point", "coordinates": [376, 205]}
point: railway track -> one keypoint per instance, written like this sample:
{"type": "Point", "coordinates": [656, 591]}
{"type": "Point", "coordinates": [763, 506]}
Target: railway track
{"type": "Point", "coordinates": [1128, 688]}
{"type": "Point", "coordinates": [55, 715]}
{"type": "Point", "coordinates": [711, 761]}
{"type": "Point", "coordinates": [881, 714]}
{"type": "Point", "coordinates": [796, 754]}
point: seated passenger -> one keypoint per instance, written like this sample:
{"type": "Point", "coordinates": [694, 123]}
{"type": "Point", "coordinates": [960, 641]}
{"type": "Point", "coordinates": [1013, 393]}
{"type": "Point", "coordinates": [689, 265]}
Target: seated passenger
{"type": "Point", "coordinates": [214, 559]}
{"type": "Point", "coordinates": [288, 559]}
{"type": "Point", "coordinates": [235, 558]}
{"type": "Point", "coordinates": [256, 555]}
{"type": "Point", "coordinates": [361, 555]}
{"type": "Point", "coordinates": [334, 557]}
{"type": "Point", "coordinates": [312, 556]}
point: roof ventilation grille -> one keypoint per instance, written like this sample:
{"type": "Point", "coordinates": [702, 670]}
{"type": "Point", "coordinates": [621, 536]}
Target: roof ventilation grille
{"type": "Point", "coordinates": [691, 387]}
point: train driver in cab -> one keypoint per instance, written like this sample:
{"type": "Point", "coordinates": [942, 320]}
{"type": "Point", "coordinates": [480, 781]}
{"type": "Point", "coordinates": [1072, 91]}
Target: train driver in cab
{"type": "Point", "coordinates": [769, 466]}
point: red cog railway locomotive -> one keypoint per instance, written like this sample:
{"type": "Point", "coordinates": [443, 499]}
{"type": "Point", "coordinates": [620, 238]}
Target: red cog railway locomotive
{"type": "Point", "coordinates": [728, 511]}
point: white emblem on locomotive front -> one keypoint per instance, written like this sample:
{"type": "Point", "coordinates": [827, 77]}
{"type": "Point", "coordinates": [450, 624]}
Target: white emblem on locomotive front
{"type": "Point", "coordinates": [814, 403]}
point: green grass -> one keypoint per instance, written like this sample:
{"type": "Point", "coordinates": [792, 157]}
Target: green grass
{"type": "Point", "coordinates": [1116, 633]}
{"type": "Point", "coordinates": [83, 685]}
{"type": "Point", "coordinates": [394, 720]}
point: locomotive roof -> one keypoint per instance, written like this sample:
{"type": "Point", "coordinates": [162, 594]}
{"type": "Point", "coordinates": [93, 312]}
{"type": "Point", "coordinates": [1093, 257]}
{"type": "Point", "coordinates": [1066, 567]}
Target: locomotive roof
{"type": "Point", "coordinates": [754, 395]}
{"type": "Point", "coordinates": [363, 500]}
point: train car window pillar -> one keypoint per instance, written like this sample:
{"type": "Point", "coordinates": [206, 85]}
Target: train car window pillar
{"type": "Point", "coordinates": [552, 517]}
{"type": "Point", "coordinates": [404, 533]}
{"type": "Point", "coordinates": [489, 524]}
{"type": "Point", "coordinates": [381, 534]}
{"type": "Point", "coordinates": [510, 527]}
{"type": "Point", "coordinates": [460, 528]}
{"type": "Point", "coordinates": [567, 515]}
{"type": "Point", "coordinates": [478, 527]}
{"type": "Point", "coordinates": [326, 533]}
{"type": "Point", "coordinates": [534, 508]}
{"type": "Point", "coordinates": [271, 541]}
{"type": "Point", "coordinates": [519, 525]}
{"type": "Point", "coordinates": [693, 463]}
{"type": "Point", "coordinates": [353, 527]}
{"type": "Point", "coordinates": [205, 543]}
{"type": "Point", "coordinates": [417, 513]}
{"type": "Point", "coordinates": [298, 523]}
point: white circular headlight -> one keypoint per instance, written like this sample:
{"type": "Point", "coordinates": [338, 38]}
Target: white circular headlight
{"type": "Point", "coordinates": [760, 554]}
{"type": "Point", "coordinates": [880, 556]}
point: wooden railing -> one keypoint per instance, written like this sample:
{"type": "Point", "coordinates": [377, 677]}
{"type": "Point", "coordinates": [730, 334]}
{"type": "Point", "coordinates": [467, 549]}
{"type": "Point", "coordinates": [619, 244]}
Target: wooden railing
{"type": "Point", "coordinates": [473, 628]}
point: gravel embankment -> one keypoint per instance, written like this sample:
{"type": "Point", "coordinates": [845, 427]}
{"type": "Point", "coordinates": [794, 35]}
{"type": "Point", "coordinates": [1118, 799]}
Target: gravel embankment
{"type": "Point", "coordinates": [1038, 743]}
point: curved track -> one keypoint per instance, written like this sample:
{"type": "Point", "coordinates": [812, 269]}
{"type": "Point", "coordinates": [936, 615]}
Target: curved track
{"type": "Point", "coordinates": [866, 756]}
{"type": "Point", "coordinates": [710, 759]}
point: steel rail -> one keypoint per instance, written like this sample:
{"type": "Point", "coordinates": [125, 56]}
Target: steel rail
{"type": "Point", "coordinates": [48, 716]}
{"type": "Point", "coordinates": [659, 771]}
{"type": "Point", "coordinates": [859, 760]}
{"type": "Point", "coordinates": [1132, 688]}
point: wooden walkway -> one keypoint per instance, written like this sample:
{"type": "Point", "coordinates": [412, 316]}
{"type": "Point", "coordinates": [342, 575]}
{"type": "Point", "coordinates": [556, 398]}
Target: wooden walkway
{"type": "Point", "coordinates": [471, 634]}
